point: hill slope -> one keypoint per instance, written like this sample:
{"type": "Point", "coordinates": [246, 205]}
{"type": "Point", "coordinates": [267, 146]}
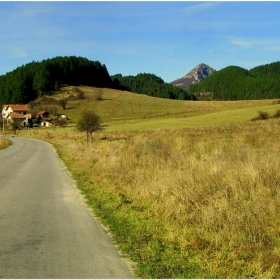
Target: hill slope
{"type": "Point", "coordinates": [35, 79]}
{"type": "Point", "coordinates": [122, 110]}
{"type": "Point", "coordinates": [151, 85]}
{"type": "Point", "coordinates": [236, 83]}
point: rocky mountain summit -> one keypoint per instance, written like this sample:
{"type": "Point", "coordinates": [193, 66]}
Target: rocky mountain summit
{"type": "Point", "coordinates": [197, 74]}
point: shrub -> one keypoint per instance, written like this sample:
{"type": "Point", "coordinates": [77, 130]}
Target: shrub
{"type": "Point", "coordinates": [61, 121]}
{"type": "Point", "coordinates": [98, 94]}
{"type": "Point", "coordinates": [80, 93]}
{"type": "Point", "coordinates": [262, 116]}
{"type": "Point", "coordinates": [277, 114]}
{"type": "Point", "coordinates": [63, 102]}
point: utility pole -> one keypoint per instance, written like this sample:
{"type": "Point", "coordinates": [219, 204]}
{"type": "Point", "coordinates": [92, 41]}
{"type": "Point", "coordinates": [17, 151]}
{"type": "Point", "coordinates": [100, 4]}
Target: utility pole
{"type": "Point", "coordinates": [3, 120]}
{"type": "Point", "coordinates": [54, 113]}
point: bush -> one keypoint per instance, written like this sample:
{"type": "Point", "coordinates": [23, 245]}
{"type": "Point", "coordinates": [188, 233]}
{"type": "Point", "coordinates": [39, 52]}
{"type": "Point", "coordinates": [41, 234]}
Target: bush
{"type": "Point", "coordinates": [265, 115]}
{"type": "Point", "coordinates": [277, 114]}
{"type": "Point", "coordinates": [262, 116]}
{"type": "Point", "coordinates": [80, 93]}
{"type": "Point", "coordinates": [63, 102]}
{"type": "Point", "coordinates": [98, 94]}
{"type": "Point", "coordinates": [61, 121]}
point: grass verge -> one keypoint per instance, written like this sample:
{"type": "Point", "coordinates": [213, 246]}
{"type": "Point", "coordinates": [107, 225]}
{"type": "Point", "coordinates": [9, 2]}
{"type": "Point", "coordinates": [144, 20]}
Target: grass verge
{"type": "Point", "coordinates": [184, 203]}
{"type": "Point", "coordinates": [4, 143]}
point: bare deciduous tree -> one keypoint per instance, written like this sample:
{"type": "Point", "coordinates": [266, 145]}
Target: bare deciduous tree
{"type": "Point", "coordinates": [89, 122]}
{"type": "Point", "coordinates": [16, 124]}
{"type": "Point", "coordinates": [63, 102]}
{"type": "Point", "coordinates": [99, 94]}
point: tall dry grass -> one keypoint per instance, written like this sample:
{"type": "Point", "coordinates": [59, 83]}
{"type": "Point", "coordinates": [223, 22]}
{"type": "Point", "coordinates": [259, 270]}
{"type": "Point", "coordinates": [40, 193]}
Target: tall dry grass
{"type": "Point", "coordinates": [212, 194]}
{"type": "Point", "coordinates": [4, 143]}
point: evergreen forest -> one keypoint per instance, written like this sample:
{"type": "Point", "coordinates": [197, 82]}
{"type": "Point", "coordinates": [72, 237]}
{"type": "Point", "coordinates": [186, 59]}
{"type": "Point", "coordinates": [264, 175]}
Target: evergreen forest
{"type": "Point", "coordinates": [35, 79]}
{"type": "Point", "coordinates": [236, 83]}
{"type": "Point", "coordinates": [151, 85]}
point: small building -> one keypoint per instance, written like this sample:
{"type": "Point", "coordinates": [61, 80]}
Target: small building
{"type": "Point", "coordinates": [42, 115]}
{"type": "Point", "coordinates": [43, 118]}
{"type": "Point", "coordinates": [15, 111]}
{"type": "Point", "coordinates": [46, 123]}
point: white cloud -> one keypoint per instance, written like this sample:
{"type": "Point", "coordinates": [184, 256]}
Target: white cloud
{"type": "Point", "coordinates": [193, 9]}
{"type": "Point", "coordinates": [242, 43]}
{"type": "Point", "coordinates": [258, 44]}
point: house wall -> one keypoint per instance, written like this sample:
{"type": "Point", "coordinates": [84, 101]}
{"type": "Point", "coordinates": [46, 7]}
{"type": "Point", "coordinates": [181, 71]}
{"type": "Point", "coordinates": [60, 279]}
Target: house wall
{"type": "Point", "coordinates": [46, 124]}
{"type": "Point", "coordinates": [5, 113]}
{"type": "Point", "coordinates": [7, 110]}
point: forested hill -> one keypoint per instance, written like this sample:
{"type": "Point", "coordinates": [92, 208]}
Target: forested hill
{"type": "Point", "coordinates": [151, 85]}
{"type": "Point", "coordinates": [35, 79]}
{"type": "Point", "coordinates": [267, 69]}
{"type": "Point", "coordinates": [235, 83]}
{"type": "Point", "coordinates": [27, 82]}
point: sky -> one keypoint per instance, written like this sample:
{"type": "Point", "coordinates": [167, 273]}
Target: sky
{"type": "Point", "coordinates": [167, 39]}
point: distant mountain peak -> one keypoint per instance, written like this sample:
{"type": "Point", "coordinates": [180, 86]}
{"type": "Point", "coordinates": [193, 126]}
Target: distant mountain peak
{"type": "Point", "coordinates": [197, 74]}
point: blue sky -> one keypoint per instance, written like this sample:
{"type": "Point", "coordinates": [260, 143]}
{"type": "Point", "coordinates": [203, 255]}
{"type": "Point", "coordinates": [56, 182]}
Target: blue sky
{"type": "Point", "coordinates": [167, 39]}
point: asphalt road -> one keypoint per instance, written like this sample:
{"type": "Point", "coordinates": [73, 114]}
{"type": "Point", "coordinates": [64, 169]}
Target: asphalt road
{"type": "Point", "coordinates": [46, 230]}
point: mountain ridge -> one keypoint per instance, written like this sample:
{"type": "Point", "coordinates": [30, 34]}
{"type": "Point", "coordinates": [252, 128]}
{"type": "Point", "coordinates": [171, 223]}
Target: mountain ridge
{"type": "Point", "coordinates": [194, 76]}
{"type": "Point", "coordinates": [237, 83]}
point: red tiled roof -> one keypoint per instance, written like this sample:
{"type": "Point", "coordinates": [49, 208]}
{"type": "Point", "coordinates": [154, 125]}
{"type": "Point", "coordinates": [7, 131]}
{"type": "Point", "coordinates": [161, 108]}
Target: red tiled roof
{"type": "Point", "coordinates": [17, 107]}
{"type": "Point", "coordinates": [41, 112]}
{"type": "Point", "coordinates": [47, 119]}
{"type": "Point", "coordinates": [17, 116]}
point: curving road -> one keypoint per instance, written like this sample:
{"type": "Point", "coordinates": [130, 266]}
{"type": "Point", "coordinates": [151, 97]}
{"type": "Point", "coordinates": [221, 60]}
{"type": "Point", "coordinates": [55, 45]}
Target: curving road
{"type": "Point", "coordinates": [46, 230]}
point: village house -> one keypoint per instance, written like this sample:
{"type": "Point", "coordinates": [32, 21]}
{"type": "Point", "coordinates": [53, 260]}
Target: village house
{"type": "Point", "coordinates": [16, 111]}
{"type": "Point", "coordinates": [43, 118]}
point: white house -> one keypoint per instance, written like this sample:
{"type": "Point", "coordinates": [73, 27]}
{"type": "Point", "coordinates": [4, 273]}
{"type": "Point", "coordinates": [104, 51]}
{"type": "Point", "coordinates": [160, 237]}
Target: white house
{"type": "Point", "coordinates": [15, 111]}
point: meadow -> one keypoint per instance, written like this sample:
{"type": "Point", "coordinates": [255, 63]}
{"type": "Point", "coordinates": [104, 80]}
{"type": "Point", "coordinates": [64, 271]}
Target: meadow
{"type": "Point", "coordinates": [186, 189]}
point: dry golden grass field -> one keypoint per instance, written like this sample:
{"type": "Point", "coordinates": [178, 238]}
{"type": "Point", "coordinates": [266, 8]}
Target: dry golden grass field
{"type": "Point", "coordinates": [187, 189]}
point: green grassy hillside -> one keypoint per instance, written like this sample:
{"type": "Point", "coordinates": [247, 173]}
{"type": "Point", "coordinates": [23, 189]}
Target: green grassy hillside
{"type": "Point", "coordinates": [122, 110]}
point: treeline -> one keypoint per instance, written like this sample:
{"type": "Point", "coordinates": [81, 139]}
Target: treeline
{"type": "Point", "coordinates": [151, 85]}
{"type": "Point", "coordinates": [236, 83]}
{"type": "Point", "coordinates": [35, 79]}
{"type": "Point", "coordinates": [272, 69]}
